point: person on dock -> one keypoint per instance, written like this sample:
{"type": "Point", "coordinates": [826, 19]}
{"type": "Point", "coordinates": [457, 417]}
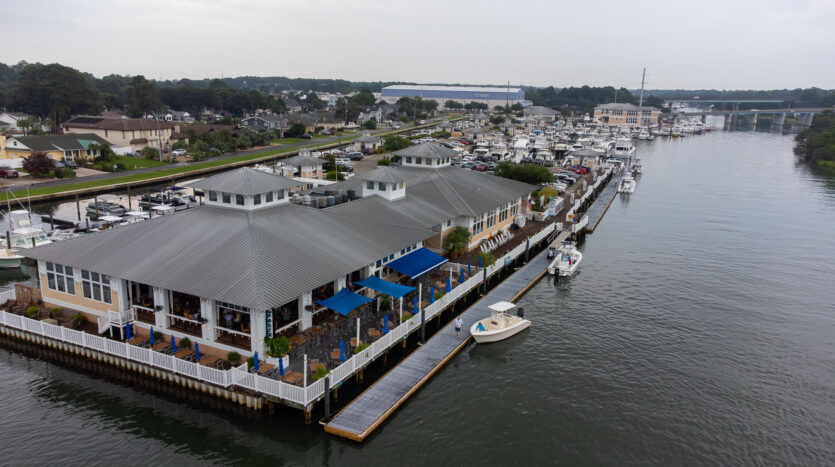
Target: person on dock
{"type": "Point", "coordinates": [458, 323]}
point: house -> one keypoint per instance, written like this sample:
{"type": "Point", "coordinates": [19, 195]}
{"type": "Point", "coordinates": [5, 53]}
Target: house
{"type": "Point", "coordinates": [265, 123]}
{"type": "Point", "coordinates": [293, 106]}
{"type": "Point", "coordinates": [11, 118]}
{"type": "Point", "coordinates": [71, 147]}
{"type": "Point", "coordinates": [228, 270]}
{"type": "Point", "coordinates": [307, 167]}
{"type": "Point", "coordinates": [136, 133]}
{"type": "Point", "coordinates": [626, 114]}
{"type": "Point", "coordinates": [366, 143]}
{"type": "Point", "coordinates": [181, 116]}
{"type": "Point", "coordinates": [543, 114]}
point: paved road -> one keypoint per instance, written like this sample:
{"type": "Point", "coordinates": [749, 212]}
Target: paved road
{"type": "Point", "coordinates": [301, 144]}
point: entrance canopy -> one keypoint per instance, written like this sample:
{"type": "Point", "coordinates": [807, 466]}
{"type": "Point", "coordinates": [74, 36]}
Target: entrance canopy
{"type": "Point", "coordinates": [417, 263]}
{"type": "Point", "coordinates": [386, 287]}
{"type": "Point", "coordinates": [344, 301]}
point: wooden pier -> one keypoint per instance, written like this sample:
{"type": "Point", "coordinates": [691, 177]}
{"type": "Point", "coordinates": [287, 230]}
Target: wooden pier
{"type": "Point", "coordinates": [602, 203]}
{"type": "Point", "coordinates": [371, 408]}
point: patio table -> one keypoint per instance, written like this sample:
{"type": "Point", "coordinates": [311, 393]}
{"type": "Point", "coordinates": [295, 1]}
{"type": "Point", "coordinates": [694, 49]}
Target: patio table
{"type": "Point", "coordinates": [292, 377]}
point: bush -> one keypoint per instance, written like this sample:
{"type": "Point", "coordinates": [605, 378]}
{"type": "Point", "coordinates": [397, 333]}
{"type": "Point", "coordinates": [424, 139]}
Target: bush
{"type": "Point", "coordinates": [370, 124]}
{"type": "Point", "coordinates": [54, 311]}
{"type": "Point", "coordinates": [360, 347]}
{"type": "Point", "coordinates": [334, 175]}
{"type": "Point", "coordinates": [457, 240]}
{"type": "Point", "coordinates": [233, 357]}
{"type": "Point", "coordinates": [150, 153]}
{"type": "Point", "coordinates": [295, 131]}
{"type": "Point", "coordinates": [395, 143]}
{"type": "Point", "coordinates": [528, 173]}
{"type": "Point", "coordinates": [157, 336]}
{"type": "Point", "coordinates": [121, 166]}
{"type": "Point", "coordinates": [180, 145]}
{"type": "Point", "coordinates": [64, 172]}
{"type": "Point", "coordinates": [250, 362]}
{"type": "Point", "coordinates": [384, 161]}
{"type": "Point", "coordinates": [277, 346]}
{"type": "Point", "coordinates": [487, 259]}
{"type": "Point", "coordinates": [38, 164]}
{"type": "Point", "coordinates": [380, 150]}
{"type": "Point", "coordinates": [319, 373]}
{"type": "Point", "coordinates": [31, 312]}
{"type": "Point", "coordinates": [77, 319]}
{"type": "Point", "coordinates": [439, 295]}
{"type": "Point", "coordinates": [185, 343]}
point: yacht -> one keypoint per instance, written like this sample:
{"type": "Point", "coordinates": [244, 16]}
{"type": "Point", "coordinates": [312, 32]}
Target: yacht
{"type": "Point", "coordinates": [643, 135]}
{"type": "Point", "coordinates": [105, 208]}
{"type": "Point", "coordinates": [637, 167]}
{"type": "Point", "coordinates": [624, 148]}
{"type": "Point", "coordinates": [24, 234]}
{"type": "Point", "coordinates": [566, 260]}
{"type": "Point", "coordinates": [500, 325]}
{"type": "Point", "coordinates": [8, 259]}
{"type": "Point", "coordinates": [627, 184]}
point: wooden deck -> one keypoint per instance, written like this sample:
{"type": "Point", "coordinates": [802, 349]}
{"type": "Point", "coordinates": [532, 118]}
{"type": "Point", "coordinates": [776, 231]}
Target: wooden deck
{"type": "Point", "coordinates": [371, 408]}
{"type": "Point", "coordinates": [602, 203]}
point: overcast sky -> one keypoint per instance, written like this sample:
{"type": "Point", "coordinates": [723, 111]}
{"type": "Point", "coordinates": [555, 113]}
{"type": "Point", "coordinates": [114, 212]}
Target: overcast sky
{"type": "Point", "coordinates": [725, 44]}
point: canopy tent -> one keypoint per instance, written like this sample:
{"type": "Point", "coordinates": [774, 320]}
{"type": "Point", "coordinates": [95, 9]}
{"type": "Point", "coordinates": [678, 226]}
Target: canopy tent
{"type": "Point", "coordinates": [417, 263]}
{"type": "Point", "coordinates": [386, 287]}
{"type": "Point", "coordinates": [344, 301]}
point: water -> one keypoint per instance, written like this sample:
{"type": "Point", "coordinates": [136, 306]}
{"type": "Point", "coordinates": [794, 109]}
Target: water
{"type": "Point", "coordinates": [699, 330]}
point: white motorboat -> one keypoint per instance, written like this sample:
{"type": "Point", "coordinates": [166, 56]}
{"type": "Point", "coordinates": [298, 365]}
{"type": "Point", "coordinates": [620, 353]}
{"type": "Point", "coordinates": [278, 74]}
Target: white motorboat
{"type": "Point", "coordinates": [627, 184]}
{"type": "Point", "coordinates": [500, 325]}
{"type": "Point", "coordinates": [566, 259]}
{"type": "Point", "coordinates": [637, 167]}
{"type": "Point", "coordinates": [623, 148]}
{"type": "Point", "coordinates": [643, 135]}
{"type": "Point", "coordinates": [24, 234]}
{"type": "Point", "coordinates": [9, 259]}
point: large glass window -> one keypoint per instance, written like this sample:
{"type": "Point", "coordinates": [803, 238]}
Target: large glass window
{"type": "Point", "coordinates": [491, 218]}
{"type": "Point", "coordinates": [256, 199]}
{"type": "Point", "coordinates": [503, 214]}
{"type": "Point", "coordinates": [381, 186]}
{"type": "Point", "coordinates": [227, 198]}
{"type": "Point", "coordinates": [478, 226]}
{"type": "Point", "coordinates": [369, 184]}
{"type": "Point", "coordinates": [279, 194]}
{"type": "Point", "coordinates": [96, 286]}
{"type": "Point", "coordinates": [59, 278]}
{"type": "Point", "coordinates": [239, 200]}
{"type": "Point", "coordinates": [234, 317]}
{"type": "Point", "coordinates": [212, 196]}
{"type": "Point", "coordinates": [514, 208]}
{"type": "Point", "coordinates": [268, 197]}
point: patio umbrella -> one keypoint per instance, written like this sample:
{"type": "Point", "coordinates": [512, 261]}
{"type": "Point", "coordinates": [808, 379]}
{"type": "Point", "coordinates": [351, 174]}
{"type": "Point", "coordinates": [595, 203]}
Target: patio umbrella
{"type": "Point", "coordinates": [448, 288]}
{"type": "Point", "coordinates": [414, 305]}
{"type": "Point", "coordinates": [479, 262]}
{"type": "Point", "coordinates": [432, 294]}
{"type": "Point", "coordinates": [255, 361]}
{"type": "Point", "coordinates": [470, 269]}
{"type": "Point", "coordinates": [461, 277]}
{"type": "Point", "coordinates": [152, 336]}
{"type": "Point", "coordinates": [127, 331]}
{"type": "Point", "coordinates": [341, 351]}
{"type": "Point", "coordinates": [196, 352]}
{"type": "Point", "coordinates": [173, 344]}
{"type": "Point", "coordinates": [281, 367]}
{"type": "Point", "coordinates": [385, 324]}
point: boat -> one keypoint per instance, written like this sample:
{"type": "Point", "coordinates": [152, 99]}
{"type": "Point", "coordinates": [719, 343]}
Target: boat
{"type": "Point", "coordinates": [643, 135]}
{"type": "Point", "coordinates": [105, 206]}
{"type": "Point", "coordinates": [627, 184]}
{"type": "Point", "coordinates": [624, 148]}
{"type": "Point", "coordinates": [637, 167]}
{"type": "Point", "coordinates": [24, 234]}
{"type": "Point", "coordinates": [566, 259]}
{"type": "Point", "coordinates": [500, 325]}
{"type": "Point", "coordinates": [8, 259]}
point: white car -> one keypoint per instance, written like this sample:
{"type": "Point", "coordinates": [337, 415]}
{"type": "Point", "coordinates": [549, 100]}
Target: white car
{"type": "Point", "coordinates": [178, 152]}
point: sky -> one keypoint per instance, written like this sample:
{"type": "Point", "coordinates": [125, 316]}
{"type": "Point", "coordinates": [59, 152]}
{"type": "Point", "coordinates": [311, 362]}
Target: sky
{"type": "Point", "coordinates": [704, 44]}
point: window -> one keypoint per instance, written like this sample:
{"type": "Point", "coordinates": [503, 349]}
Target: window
{"type": "Point", "coordinates": [478, 226]}
{"type": "Point", "coordinates": [227, 198]}
{"type": "Point", "coordinates": [428, 161]}
{"type": "Point", "coordinates": [212, 196]}
{"type": "Point", "coordinates": [96, 286]}
{"type": "Point", "coordinates": [268, 198]}
{"type": "Point", "coordinates": [408, 159]}
{"type": "Point", "coordinates": [402, 252]}
{"type": "Point", "coordinates": [503, 214]}
{"type": "Point", "coordinates": [491, 218]}
{"type": "Point", "coordinates": [402, 185]}
{"type": "Point", "coordinates": [239, 200]}
{"type": "Point", "coordinates": [369, 185]}
{"type": "Point", "coordinates": [256, 199]}
{"type": "Point", "coordinates": [393, 186]}
{"type": "Point", "coordinates": [279, 194]}
{"type": "Point", "coordinates": [514, 208]}
{"type": "Point", "coordinates": [381, 186]}
{"type": "Point", "coordinates": [59, 278]}
{"type": "Point", "coordinates": [449, 223]}
{"type": "Point", "coordinates": [418, 161]}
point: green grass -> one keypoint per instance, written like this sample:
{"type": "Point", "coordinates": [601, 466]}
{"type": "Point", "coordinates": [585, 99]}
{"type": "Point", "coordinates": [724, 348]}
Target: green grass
{"type": "Point", "coordinates": [139, 162]}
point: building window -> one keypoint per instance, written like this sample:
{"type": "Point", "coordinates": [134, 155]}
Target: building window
{"type": "Point", "coordinates": [381, 186]}
{"type": "Point", "coordinates": [233, 317]}
{"type": "Point", "coordinates": [369, 185]}
{"type": "Point", "coordinates": [59, 278]}
{"type": "Point", "coordinates": [212, 196]}
{"type": "Point", "coordinates": [478, 226]}
{"type": "Point", "coordinates": [256, 199]}
{"type": "Point", "coordinates": [491, 219]}
{"type": "Point", "coordinates": [239, 200]}
{"type": "Point", "coordinates": [503, 214]}
{"type": "Point", "coordinates": [268, 198]}
{"type": "Point", "coordinates": [408, 159]}
{"type": "Point", "coordinates": [96, 286]}
{"type": "Point", "coordinates": [514, 208]}
{"type": "Point", "coordinates": [402, 185]}
{"type": "Point", "coordinates": [227, 198]}
{"type": "Point", "coordinates": [279, 194]}
{"type": "Point", "coordinates": [393, 186]}
{"type": "Point", "coordinates": [418, 161]}
{"type": "Point", "coordinates": [428, 161]}
{"type": "Point", "coordinates": [449, 223]}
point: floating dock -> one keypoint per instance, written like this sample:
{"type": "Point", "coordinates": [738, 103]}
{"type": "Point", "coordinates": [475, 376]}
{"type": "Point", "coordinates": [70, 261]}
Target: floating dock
{"type": "Point", "coordinates": [602, 203]}
{"type": "Point", "coordinates": [371, 408]}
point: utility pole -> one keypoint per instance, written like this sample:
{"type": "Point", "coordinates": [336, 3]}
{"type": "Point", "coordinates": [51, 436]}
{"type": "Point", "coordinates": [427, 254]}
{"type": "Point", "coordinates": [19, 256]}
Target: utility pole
{"type": "Point", "coordinates": [643, 78]}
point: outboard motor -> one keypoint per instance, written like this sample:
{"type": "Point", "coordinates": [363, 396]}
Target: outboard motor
{"type": "Point", "coordinates": [520, 312]}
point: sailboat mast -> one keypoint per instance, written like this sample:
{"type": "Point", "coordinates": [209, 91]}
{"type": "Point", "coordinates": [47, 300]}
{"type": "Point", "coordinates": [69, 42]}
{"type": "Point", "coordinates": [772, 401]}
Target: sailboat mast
{"type": "Point", "coordinates": [643, 78]}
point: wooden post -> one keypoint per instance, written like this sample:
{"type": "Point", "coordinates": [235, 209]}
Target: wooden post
{"type": "Point", "coordinates": [307, 415]}
{"type": "Point", "coordinates": [131, 209]}
{"type": "Point", "coordinates": [78, 208]}
{"type": "Point", "coordinates": [96, 200]}
{"type": "Point", "coordinates": [327, 397]}
{"type": "Point", "coordinates": [8, 240]}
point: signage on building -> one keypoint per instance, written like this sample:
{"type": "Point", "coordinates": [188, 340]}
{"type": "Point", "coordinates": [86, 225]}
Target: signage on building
{"type": "Point", "coordinates": [269, 315]}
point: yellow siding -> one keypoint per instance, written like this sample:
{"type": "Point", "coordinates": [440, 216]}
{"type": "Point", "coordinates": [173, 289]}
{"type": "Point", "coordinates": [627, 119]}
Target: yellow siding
{"type": "Point", "coordinates": [78, 299]}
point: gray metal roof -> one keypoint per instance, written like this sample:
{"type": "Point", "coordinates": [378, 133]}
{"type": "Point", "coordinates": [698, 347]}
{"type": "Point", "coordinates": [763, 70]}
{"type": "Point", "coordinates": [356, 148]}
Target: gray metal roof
{"type": "Point", "coordinates": [427, 150]}
{"type": "Point", "coordinates": [259, 259]}
{"type": "Point", "coordinates": [304, 161]}
{"type": "Point", "coordinates": [245, 181]}
{"type": "Point", "coordinates": [385, 175]}
{"type": "Point", "coordinates": [623, 106]}
{"type": "Point", "coordinates": [586, 152]}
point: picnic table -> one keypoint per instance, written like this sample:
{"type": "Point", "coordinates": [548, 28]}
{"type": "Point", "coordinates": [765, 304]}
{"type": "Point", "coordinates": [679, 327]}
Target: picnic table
{"type": "Point", "coordinates": [372, 332]}
{"type": "Point", "coordinates": [297, 339]}
{"type": "Point", "coordinates": [182, 353]}
{"type": "Point", "coordinates": [315, 365]}
{"type": "Point", "coordinates": [292, 377]}
{"type": "Point", "coordinates": [354, 342]}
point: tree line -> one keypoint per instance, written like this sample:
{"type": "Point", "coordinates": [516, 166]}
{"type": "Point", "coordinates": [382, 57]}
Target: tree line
{"type": "Point", "coordinates": [816, 145]}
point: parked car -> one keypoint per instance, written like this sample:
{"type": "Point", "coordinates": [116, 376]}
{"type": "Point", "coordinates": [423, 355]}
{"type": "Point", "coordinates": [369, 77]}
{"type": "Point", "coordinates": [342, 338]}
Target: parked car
{"type": "Point", "coordinates": [480, 168]}
{"type": "Point", "coordinates": [526, 160]}
{"type": "Point", "coordinates": [422, 122]}
{"type": "Point", "coordinates": [178, 152]}
{"type": "Point", "coordinates": [306, 136]}
{"type": "Point", "coordinates": [447, 145]}
{"type": "Point", "coordinates": [71, 164]}
{"type": "Point", "coordinates": [456, 160]}
{"type": "Point", "coordinates": [468, 165]}
{"type": "Point", "coordinates": [342, 161]}
{"type": "Point", "coordinates": [59, 165]}
{"type": "Point", "coordinates": [355, 156]}
{"type": "Point", "coordinates": [8, 172]}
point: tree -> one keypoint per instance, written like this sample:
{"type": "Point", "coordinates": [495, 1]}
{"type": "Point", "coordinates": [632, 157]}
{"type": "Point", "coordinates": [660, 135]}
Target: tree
{"type": "Point", "coordinates": [27, 125]}
{"type": "Point", "coordinates": [817, 144]}
{"type": "Point", "coordinates": [496, 119]}
{"type": "Point", "coordinates": [142, 97]}
{"type": "Point", "coordinates": [150, 153]}
{"type": "Point", "coordinates": [364, 97]}
{"type": "Point", "coordinates": [244, 141]}
{"type": "Point", "coordinates": [453, 105]}
{"type": "Point", "coordinates": [199, 149]}
{"type": "Point", "coordinates": [384, 162]}
{"type": "Point", "coordinates": [348, 110]}
{"type": "Point", "coordinates": [457, 241]}
{"type": "Point", "coordinates": [370, 124]}
{"type": "Point", "coordinates": [296, 131]}
{"type": "Point", "coordinates": [395, 143]}
{"type": "Point", "coordinates": [54, 91]}
{"type": "Point", "coordinates": [38, 164]}
{"type": "Point", "coordinates": [528, 173]}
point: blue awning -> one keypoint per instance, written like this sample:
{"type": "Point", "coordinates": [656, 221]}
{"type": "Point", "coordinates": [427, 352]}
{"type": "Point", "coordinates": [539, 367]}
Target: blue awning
{"type": "Point", "coordinates": [386, 287]}
{"type": "Point", "coordinates": [417, 263]}
{"type": "Point", "coordinates": [344, 301]}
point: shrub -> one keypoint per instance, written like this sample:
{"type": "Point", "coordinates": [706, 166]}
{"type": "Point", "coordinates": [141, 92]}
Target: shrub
{"type": "Point", "coordinates": [277, 346]}
{"type": "Point", "coordinates": [233, 357]}
{"type": "Point", "coordinates": [121, 166]}
{"type": "Point", "coordinates": [157, 336]}
{"type": "Point", "coordinates": [250, 362]}
{"type": "Point", "coordinates": [185, 343]}
{"type": "Point", "coordinates": [487, 259]}
{"type": "Point", "coordinates": [334, 175]}
{"type": "Point", "coordinates": [384, 161]}
{"type": "Point", "coordinates": [54, 311]}
{"type": "Point", "coordinates": [380, 150]}
{"type": "Point", "coordinates": [439, 295]}
{"type": "Point", "coordinates": [457, 240]}
{"type": "Point", "coordinates": [64, 172]}
{"type": "Point", "coordinates": [150, 153]}
{"type": "Point", "coordinates": [547, 192]}
{"type": "Point", "coordinates": [360, 347]}
{"type": "Point", "coordinates": [38, 164]}
{"type": "Point", "coordinates": [31, 312]}
{"type": "Point", "coordinates": [77, 319]}
{"type": "Point", "coordinates": [370, 124]}
{"type": "Point", "coordinates": [319, 373]}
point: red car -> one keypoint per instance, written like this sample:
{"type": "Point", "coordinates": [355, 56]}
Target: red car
{"type": "Point", "coordinates": [480, 168]}
{"type": "Point", "coordinates": [7, 172]}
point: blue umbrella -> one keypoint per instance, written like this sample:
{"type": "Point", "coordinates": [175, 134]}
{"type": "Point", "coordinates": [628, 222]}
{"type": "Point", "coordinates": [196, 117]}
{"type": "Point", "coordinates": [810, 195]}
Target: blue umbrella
{"type": "Point", "coordinates": [127, 331]}
{"type": "Point", "coordinates": [152, 336]}
{"type": "Point", "coordinates": [255, 361]}
{"type": "Point", "coordinates": [470, 269]}
{"type": "Point", "coordinates": [432, 294]}
{"type": "Point", "coordinates": [173, 344]}
{"type": "Point", "coordinates": [196, 352]}
{"type": "Point", "coordinates": [281, 367]}
{"type": "Point", "coordinates": [341, 351]}
{"type": "Point", "coordinates": [461, 277]}
{"type": "Point", "coordinates": [479, 262]}
{"type": "Point", "coordinates": [385, 324]}
{"type": "Point", "coordinates": [414, 305]}
{"type": "Point", "coordinates": [448, 285]}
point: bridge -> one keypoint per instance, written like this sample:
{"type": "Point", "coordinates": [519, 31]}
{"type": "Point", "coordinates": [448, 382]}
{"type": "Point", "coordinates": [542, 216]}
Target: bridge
{"type": "Point", "coordinates": [725, 101]}
{"type": "Point", "coordinates": [804, 116]}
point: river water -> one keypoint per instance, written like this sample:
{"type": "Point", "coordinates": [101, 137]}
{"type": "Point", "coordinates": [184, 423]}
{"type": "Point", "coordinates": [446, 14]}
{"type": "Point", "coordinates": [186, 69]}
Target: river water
{"type": "Point", "coordinates": [699, 330]}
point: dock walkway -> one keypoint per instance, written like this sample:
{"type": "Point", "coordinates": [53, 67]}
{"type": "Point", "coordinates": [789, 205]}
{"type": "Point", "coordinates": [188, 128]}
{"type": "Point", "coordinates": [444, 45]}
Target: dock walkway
{"type": "Point", "coordinates": [359, 418]}
{"type": "Point", "coordinates": [602, 203]}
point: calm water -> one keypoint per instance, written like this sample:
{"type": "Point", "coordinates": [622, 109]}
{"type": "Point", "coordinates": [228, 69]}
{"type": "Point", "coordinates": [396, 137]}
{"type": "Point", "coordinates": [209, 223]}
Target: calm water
{"type": "Point", "coordinates": [700, 330]}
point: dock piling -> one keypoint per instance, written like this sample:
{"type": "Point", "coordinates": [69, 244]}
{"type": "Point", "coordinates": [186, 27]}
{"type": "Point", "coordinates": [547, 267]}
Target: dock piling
{"type": "Point", "coordinates": [327, 397]}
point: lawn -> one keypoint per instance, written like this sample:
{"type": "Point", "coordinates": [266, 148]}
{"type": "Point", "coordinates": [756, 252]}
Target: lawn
{"type": "Point", "coordinates": [297, 140]}
{"type": "Point", "coordinates": [140, 162]}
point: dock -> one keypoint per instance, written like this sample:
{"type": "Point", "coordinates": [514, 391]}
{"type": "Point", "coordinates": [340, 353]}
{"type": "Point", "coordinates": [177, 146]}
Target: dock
{"type": "Point", "coordinates": [602, 203]}
{"type": "Point", "coordinates": [371, 408]}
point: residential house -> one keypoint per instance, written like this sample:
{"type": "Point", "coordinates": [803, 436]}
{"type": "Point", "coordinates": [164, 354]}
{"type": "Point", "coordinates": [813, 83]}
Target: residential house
{"type": "Point", "coordinates": [136, 133]}
{"type": "Point", "coordinates": [73, 147]}
{"type": "Point", "coordinates": [11, 119]}
{"type": "Point", "coordinates": [367, 143]}
{"type": "Point", "coordinates": [265, 123]}
{"type": "Point", "coordinates": [293, 106]}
